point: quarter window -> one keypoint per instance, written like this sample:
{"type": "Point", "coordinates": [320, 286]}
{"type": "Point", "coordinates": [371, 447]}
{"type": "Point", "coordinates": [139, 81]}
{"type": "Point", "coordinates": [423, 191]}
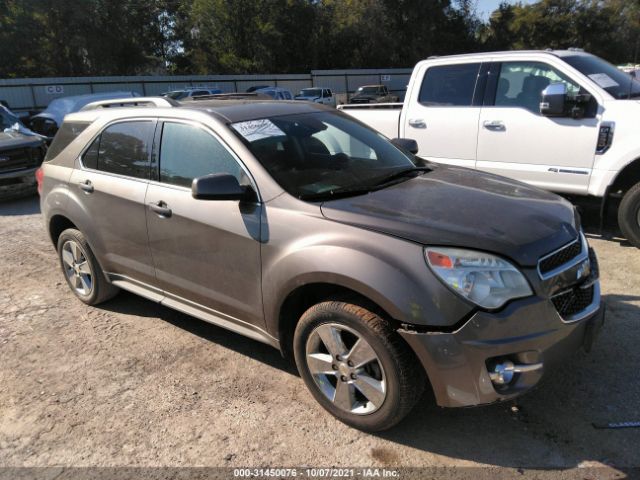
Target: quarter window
{"type": "Point", "coordinates": [188, 152]}
{"type": "Point", "coordinates": [449, 85]}
{"type": "Point", "coordinates": [520, 84]}
{"type": "Point", "coordinates": [122, 148]}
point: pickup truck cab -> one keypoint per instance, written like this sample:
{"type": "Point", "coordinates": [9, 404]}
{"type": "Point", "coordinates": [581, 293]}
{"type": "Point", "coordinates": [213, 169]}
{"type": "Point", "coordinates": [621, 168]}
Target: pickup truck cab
{"type": "Point", "coordinates": [565, 121]}
{"type": "Point", "coordinates": [373, 94]}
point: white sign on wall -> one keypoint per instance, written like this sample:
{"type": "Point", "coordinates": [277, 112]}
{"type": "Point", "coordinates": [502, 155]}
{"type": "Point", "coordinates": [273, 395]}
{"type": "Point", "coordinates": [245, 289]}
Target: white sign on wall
{"type": "Point", "coordinates": [54, 89]}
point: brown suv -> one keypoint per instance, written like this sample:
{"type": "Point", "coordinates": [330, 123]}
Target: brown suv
{"type": "Point", "coordinates": [297, 226]}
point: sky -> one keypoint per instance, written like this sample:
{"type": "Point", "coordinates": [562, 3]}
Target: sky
{"type": "Point", "coordinates": [485, 7]}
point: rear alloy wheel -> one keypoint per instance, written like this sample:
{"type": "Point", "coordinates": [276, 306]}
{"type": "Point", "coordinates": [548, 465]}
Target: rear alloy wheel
{"type": "Point", "coordinates": [629, 215]}
{"type": "Point", "coordinates": [356, 365]}
{"type": "Point", "coordinates": [81, 269]}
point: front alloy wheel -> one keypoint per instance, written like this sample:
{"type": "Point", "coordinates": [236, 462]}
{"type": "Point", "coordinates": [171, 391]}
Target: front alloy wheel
{"type": "Point", "coordinates": [346, 369]}
{"type": "Point", "coordinates": [356, 365]}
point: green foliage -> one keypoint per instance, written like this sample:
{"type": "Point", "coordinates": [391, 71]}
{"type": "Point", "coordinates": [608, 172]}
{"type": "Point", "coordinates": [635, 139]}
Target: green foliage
{"type": "Point", "coordinates": [128, 37]}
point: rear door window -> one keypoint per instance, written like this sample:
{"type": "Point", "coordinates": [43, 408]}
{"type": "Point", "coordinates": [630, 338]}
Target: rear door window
{"type": "Point", "coordinates": [449, 85]}
{"type": "Point", "coordinates": [188, 152]}
{"type": "Point", "coordinates": [124, 149]}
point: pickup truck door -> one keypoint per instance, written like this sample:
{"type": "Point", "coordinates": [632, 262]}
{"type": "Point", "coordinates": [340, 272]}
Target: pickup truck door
{"type": "Point", "coordinates": [442, 113]}
{"type": "Point", "coordinates": [515, 140]}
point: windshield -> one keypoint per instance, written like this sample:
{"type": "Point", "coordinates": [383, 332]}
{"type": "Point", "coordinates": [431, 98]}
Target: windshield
{"type": "Point", "coordinates": [618, 84]}
{"type": "Point", "coordinates": [7, 119]}
{"type": "Point", "coordinates": [310, 92]}
{"type": "Point", "coordinates": [321, 153]}
{"type": "Point", "coordinates": [368, 90]}
{"type": "Point", "coordinates": [178, 95]}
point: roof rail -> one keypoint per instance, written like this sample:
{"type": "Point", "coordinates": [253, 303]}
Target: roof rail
{"type": "Point", "coordinates": [229, 96]}
{"type": "Point", "coordinates": [131, 102]}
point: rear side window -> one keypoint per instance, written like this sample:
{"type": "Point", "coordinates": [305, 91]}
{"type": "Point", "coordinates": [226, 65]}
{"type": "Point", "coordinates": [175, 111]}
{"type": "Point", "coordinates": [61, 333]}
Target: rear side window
{"type": "Point", "coordinates": [67, 134]}
{"type": "Point", "coordinates": [123, 148]}
{"type": "Point", "coordinates": [449, 85]}
{"type": "Point", "coordinates": [188, 152]}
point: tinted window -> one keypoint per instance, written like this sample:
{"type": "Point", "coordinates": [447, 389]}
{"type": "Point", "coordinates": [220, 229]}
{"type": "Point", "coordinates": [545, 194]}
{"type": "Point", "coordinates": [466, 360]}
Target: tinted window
{"type": "Point", "coordinates": [90, 157]}
{"type": "Point", "coordinates": [520, 84]}
{"type": "Point", "coordinates": [449, 85]}
{"type": "Point", "coordinates": [124, 149]}
{"type": "Point", "coordinates": [617, 83]}
{"type": "Point", "coordinates": [188, 152]}
{"type": "Point", "coordinates": [67, 134]}
{"type": "Point", "coordinates": [315, 155]}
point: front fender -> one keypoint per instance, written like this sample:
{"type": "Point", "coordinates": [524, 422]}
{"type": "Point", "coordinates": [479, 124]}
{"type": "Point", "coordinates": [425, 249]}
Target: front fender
{"type": "Point", "coordinates": [389, 271]}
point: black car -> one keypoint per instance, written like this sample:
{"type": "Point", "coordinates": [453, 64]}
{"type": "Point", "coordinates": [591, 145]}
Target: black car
{"type": "Point", "coordinates": [21, 153]}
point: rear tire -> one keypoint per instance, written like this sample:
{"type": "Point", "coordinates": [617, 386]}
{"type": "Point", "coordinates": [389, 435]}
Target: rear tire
{"type": "Point", "coordinates": [356, 365]}
{"type": "Point", "coordinates": [81, 269]}
{"type": "Point", "coordinates": [629, 215]}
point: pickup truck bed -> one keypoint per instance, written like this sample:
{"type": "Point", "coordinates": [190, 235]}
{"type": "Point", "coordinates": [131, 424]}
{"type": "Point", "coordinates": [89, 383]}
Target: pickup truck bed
{"type": "Point", "coordinates": [385, 116]}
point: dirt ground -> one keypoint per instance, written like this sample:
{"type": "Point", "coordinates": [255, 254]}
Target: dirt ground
{"type": "Point", "coordinates": [134, 384]}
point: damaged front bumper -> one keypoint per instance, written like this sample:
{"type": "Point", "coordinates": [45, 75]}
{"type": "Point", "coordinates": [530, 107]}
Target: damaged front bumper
{"type": "Point", "coordinates": [528, 333]}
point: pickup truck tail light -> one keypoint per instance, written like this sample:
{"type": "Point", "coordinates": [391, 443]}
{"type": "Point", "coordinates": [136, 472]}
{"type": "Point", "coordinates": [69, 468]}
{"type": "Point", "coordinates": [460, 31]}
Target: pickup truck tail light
{"type": "Point", "coordinates": [605, 138]}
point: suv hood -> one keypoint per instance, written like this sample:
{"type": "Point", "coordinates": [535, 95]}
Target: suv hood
{"type": "Point", "coordinates": [459, 207]}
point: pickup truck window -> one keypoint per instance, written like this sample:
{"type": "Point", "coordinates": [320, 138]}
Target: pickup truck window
{"type": "Point", "coordinates": [619, 84]}
{"type": "Point", "coordinates": [520, 84]}
{"type": "Point", "coordinates": [317, 153]}
{"type": "Point", "coordinates": [449, 85]}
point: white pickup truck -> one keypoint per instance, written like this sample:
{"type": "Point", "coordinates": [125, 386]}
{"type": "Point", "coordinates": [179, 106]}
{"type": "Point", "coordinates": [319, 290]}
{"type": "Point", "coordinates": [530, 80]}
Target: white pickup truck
{"type": "Point", "coordinates": [565, 121]}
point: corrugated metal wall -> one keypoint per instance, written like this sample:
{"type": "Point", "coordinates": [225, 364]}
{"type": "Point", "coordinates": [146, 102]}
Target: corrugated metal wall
{"type": "Point", "coordinates": [36, 93]}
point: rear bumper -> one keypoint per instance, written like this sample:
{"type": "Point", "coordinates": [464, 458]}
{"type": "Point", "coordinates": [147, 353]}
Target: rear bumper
{"type": "Point", "coordinates": [527, 332]}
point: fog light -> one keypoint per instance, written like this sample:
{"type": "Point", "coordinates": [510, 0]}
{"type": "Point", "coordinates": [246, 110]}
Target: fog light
{"type": "Point", "coordinates": [503, 372]}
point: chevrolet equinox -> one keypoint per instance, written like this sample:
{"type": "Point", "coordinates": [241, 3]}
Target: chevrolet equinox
{"type": "Point", "coordinates": [300, 227]}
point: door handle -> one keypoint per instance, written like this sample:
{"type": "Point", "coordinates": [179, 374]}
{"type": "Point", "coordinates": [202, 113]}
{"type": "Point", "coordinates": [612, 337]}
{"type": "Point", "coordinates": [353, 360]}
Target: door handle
{"type": "Point", "coordinates": [496, 125]}
{"type": "Point", "coordinates": [86, 186]}
{"type": "Point", "coordinates": [417, 123]}
{"type": "Point", "coordinates": [161, 209]}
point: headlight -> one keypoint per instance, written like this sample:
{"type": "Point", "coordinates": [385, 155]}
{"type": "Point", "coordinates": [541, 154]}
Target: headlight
{"type": "Point", "coordinates": [484, 279]}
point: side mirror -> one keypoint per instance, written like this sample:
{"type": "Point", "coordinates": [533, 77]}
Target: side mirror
{"type": "Point", "coordinates": [553, 101]}
{"type": "Point", "coordinates": [221, 186]}
{"type": "Point", "coordinates": [408, 144]}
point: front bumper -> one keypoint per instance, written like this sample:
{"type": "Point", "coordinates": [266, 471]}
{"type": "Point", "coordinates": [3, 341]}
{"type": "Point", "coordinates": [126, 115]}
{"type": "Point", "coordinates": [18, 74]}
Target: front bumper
{"type": "Point", "coordinates": [528, 332]}
{"type": "Point", "coordinates": [17, 183]}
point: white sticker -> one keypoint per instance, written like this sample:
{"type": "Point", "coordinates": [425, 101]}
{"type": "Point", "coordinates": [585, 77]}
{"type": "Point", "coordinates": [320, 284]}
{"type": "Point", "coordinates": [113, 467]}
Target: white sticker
{"type": "Point", "coordinates": [604, 80]}
{"type": "Point", "coordinates": [253, 130]}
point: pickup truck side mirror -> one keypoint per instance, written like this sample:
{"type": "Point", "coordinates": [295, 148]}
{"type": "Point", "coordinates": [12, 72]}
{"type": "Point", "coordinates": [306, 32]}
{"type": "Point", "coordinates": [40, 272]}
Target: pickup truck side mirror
{"type": "Point", "coordinates": [221, 186]}
{"type": "Point", "coordinates": [553, 101]}
{"type": "Point", "coordinates": [408, 144]}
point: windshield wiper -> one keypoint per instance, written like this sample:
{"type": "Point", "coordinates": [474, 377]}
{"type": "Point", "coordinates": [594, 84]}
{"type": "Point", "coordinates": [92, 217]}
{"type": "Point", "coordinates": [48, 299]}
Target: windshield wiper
{"type": "Point", "coordinates": [339, 192]}
{"type": "Point", "coordinates": [402, 173]}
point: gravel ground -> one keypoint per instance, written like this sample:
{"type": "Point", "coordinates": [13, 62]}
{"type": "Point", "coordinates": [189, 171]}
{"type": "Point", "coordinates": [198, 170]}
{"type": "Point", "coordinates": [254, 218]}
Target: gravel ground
{"type": "Point", "coordinates": [132, 383]}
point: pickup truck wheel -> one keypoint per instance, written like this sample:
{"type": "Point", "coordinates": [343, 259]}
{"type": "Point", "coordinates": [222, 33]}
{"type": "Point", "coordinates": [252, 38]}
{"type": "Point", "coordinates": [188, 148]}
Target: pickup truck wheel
{"type": "Point", "coordinates": [629, 215]}
{"type": "Point", "coordinates": [356, 366]}
{"type": "Point", "coordinates": [81, 269]}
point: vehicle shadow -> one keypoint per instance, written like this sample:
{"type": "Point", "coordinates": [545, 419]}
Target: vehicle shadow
{"type": "Point", "coordinates": [131, 304]}
{"type": "Point", "coordinates": [20, 206]}
{"type": "Point", "coordinates": [552, 426]}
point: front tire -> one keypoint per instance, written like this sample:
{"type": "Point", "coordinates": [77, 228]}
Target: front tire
{"type": "Point", "coordinates": [81, 269]}
{"type": "Point", "coordinates": [629, 215]}
{"type": "Point", "coordinates": [356, 365]}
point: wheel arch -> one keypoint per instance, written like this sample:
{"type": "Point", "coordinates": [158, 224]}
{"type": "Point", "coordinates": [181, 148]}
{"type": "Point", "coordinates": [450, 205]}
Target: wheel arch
{"type": "Point", "coordinates": [57, 224]}
{"type": "Point", "coordinates": [626, 178]}
{"type": "Point", "coordinates": [303, 297]}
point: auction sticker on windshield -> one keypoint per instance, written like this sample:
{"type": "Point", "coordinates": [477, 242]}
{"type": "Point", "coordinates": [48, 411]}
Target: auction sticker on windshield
{"type": "Point", "coordinates": [253, 130]}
